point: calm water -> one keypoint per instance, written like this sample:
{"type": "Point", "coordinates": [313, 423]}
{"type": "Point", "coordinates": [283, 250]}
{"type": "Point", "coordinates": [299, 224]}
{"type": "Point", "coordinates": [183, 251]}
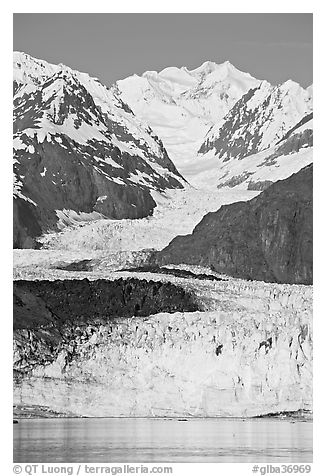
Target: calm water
{"type": "Point", "coordinates": [147, 440]}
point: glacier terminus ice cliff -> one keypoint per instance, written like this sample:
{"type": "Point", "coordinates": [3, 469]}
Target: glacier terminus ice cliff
{"type": "Point", "coordinates": [245, 351]}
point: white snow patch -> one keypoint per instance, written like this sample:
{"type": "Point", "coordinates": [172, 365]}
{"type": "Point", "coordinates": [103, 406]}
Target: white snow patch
{"type": "Point", "coordinates": [129, 147]}
{"type": "Point", "coordinates": [308, 125]}
{"type": "Point", "coordinates": [71, 217]}
{"type": "Point", "coordinates": [141, 177]}
{"type": "Point", "coordinates": [81, 135]}
{"type": "Point", "coordinates": [18, 144]}
{"type": "Point", "coordinates": [102, 198]}
{"type": "Point", "coordinates": [17, 186]}
{"type": "Point", "coordinates": [109, 161]}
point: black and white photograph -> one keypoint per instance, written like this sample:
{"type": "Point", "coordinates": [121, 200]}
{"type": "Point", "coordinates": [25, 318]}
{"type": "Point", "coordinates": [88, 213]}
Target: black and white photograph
{"type": "Point", "coordinates": [162, 240]}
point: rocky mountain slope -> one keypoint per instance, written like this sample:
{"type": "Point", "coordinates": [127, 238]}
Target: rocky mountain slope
{"type": "Point", "coordinates": [266, 136]}
{"type": "Point", "coordinates": [258, 120]}
{"type": "Point", "coordinates": [79, 152]}
{"type": "Point", "coordinates": [181, 105]}
{"type": "Point", "coordinates": [257, 171]}
{"type": "Point", "coordinates": [267, 238]}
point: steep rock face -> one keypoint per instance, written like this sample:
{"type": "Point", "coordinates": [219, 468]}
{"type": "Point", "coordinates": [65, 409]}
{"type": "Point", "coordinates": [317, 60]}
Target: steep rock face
{"type": "Point", "coordinates": [268, 238]}
{"type": "Point", "coordinates": [79, 151]}
{"type": "Point", "coordinates": [181, 105]}
{"type": "Point", "coordinates": [71, 302]}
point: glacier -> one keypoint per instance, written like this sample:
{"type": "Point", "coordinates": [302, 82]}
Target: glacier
{"type": "Point", "coordinates": [248, 353]}
{"type": "Point", "coordinates": [167, 364]}
{"type": "Point", "coordinates": [248, 350]}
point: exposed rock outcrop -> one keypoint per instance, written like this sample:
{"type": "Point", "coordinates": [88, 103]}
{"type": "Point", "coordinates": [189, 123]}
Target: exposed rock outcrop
{"type": "Point", "coordinates": [58, 303]}
{"type": "Point", "coordinates": [267, 238]}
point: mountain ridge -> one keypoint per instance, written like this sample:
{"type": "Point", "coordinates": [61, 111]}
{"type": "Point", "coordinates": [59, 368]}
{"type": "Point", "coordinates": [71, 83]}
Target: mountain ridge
{"type": "Point", "coordinates": [205, 119]}
{"type": "Point", "coordinates": [258, 120]}
{"type": "Point", "coordinates": [181, 104]}
{"type": "Point", "coordinates": [79, 150]}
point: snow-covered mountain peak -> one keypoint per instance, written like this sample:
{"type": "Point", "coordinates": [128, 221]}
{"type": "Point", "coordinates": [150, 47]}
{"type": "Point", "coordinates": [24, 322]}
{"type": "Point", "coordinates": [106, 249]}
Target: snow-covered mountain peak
{"type": "Point", "coordinates": [265, 136]}
{"type": "Point", "coordinates": [173, 73]}
{"type": "Point", "coordinates": [280, 95]}
{"type": "Point", "coordinates": [181, 105]}
{"type": "Point", "coordinates": [310, 92]}
{"type": "Point", "coordinates": [291, 87]}
{"type": "Point", "coordinates": [170, 82]}
{"type": "Point", "coordinates": [258, 120]}
{"type": "Point", "coordinates": [208, 72]}
{"type": "Point", "coordinates": [29, 70]}
{"type": "Point", "coordinates": [216, 109]}
{"type": "Point", "coordinates": [203, 70]}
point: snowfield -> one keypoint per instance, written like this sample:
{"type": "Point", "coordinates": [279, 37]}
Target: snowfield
{"type": "Point", "coordinates": [181, 105]}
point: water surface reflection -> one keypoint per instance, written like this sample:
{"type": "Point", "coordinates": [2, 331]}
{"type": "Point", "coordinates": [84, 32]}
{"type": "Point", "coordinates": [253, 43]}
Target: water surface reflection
{"type": "Point", "coordinates": [162, 440]}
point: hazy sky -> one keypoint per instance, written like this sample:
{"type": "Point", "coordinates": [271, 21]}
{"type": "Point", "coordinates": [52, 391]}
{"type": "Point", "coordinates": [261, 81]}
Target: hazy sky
{"type": "Point", "coordinates": [111, 46]}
